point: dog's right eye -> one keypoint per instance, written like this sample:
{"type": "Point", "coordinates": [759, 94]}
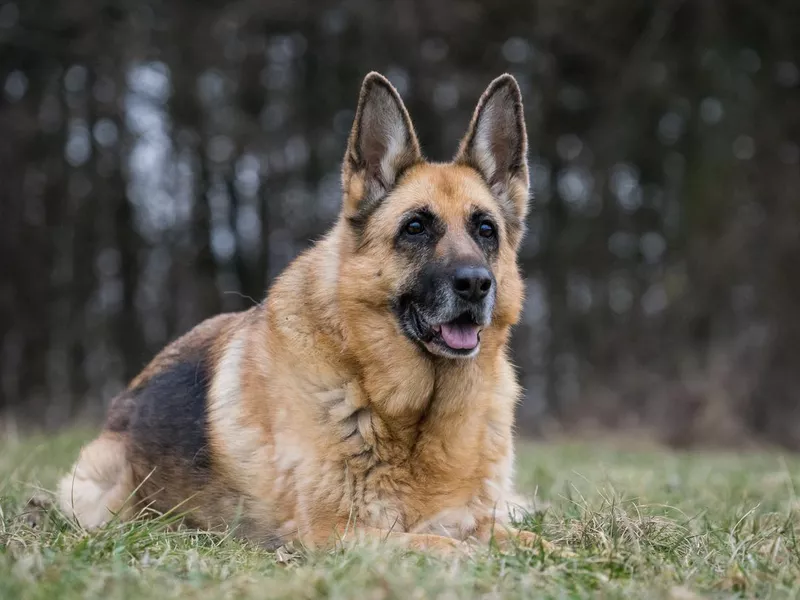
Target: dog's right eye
{"type": "Point", "coordinates": [415, 227]}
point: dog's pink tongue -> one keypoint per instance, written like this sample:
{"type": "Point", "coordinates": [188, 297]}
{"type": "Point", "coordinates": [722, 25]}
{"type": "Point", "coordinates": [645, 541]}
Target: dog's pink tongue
{"type": "Point", "coordinates": [460, 337]}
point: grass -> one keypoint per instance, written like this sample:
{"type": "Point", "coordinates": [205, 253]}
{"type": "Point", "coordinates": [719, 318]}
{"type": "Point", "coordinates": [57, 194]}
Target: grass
{"type": "Point", "coordinates": [641, 524]}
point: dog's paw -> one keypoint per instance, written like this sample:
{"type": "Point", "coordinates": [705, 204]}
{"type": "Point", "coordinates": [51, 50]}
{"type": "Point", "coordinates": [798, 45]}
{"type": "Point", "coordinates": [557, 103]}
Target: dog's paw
{"type": "Point", "coordinates": [513, 539]}
{"type": "Point", "coordinates": [443, 546]}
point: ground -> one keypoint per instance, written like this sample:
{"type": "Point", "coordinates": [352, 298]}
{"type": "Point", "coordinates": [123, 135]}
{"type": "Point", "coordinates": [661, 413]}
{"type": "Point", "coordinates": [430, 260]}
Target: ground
{"type": "Point", "coordinates": [641, 523]}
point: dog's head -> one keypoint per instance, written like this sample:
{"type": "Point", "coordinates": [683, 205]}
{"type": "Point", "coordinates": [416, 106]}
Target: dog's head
{"type": "Point", "coordinates": [433, 246]}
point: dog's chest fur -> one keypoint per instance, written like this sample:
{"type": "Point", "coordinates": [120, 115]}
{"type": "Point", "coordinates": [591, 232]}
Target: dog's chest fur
{"type": "Point", "coordinates": [439, 471]}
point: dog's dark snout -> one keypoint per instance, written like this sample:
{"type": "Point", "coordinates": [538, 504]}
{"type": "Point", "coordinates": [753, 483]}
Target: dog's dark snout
{"type": "Point", "coordinates": [472, 283]}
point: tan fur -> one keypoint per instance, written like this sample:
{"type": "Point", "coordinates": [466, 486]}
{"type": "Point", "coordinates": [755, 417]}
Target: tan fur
{"type": "Point", "coordinates": [325, 422]}
{"type": "Point", "coordinates": [100, 485]}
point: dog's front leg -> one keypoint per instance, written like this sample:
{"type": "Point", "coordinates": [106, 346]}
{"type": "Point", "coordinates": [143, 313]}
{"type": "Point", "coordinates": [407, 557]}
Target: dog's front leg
{"type": "Point", "coordinates": [349, 535]}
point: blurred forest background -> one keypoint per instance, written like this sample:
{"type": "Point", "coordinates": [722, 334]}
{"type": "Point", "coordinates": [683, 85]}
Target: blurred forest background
{"type": "Point", "coordinates": [162, 161]}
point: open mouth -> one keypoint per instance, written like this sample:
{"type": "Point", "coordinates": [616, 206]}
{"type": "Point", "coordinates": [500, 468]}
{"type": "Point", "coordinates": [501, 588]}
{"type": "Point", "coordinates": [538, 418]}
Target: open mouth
{"type": "Point", "coordinates": [459, 337]}
{"type": "Point", "coordinates": [461, 334]}
{"type": "Point", "coordinates": [456, 338]}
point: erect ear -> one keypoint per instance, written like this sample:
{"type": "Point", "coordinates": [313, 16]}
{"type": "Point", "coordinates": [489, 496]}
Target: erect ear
{"type": "Point", "coordinates": [496, 145]}
{"type": "Point", "coordinates": [382, 145]}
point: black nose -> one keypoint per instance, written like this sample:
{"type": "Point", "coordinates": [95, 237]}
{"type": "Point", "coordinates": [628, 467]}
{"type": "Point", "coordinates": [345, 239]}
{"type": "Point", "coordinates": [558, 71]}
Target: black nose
{"type": "Point", "coordinates": [472, 283]}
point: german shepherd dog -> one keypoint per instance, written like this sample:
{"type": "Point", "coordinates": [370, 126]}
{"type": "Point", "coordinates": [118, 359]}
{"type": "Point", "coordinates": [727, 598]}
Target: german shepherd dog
{"type": "Point", "coordinates": [370, 395]}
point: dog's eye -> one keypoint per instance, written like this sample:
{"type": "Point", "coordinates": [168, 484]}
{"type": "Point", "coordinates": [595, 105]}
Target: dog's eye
{"type": "Point", "coordinates": [486, 229]}
{"type": "Point", "coordinates": [414, 227]}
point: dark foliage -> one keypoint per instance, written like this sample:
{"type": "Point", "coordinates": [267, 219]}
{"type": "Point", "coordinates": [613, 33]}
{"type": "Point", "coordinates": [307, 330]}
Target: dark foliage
{"type": "Point", "coordinates": [163, 161]}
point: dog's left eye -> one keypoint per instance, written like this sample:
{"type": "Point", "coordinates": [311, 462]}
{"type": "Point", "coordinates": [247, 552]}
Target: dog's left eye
{"type": "Point", "coordinates": [414, 227]}
{"type": "Point", "coordinates": [486, 229]}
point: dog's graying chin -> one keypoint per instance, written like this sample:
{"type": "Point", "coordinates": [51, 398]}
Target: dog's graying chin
{"type": "Point", "coordinates": [442, 323]}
